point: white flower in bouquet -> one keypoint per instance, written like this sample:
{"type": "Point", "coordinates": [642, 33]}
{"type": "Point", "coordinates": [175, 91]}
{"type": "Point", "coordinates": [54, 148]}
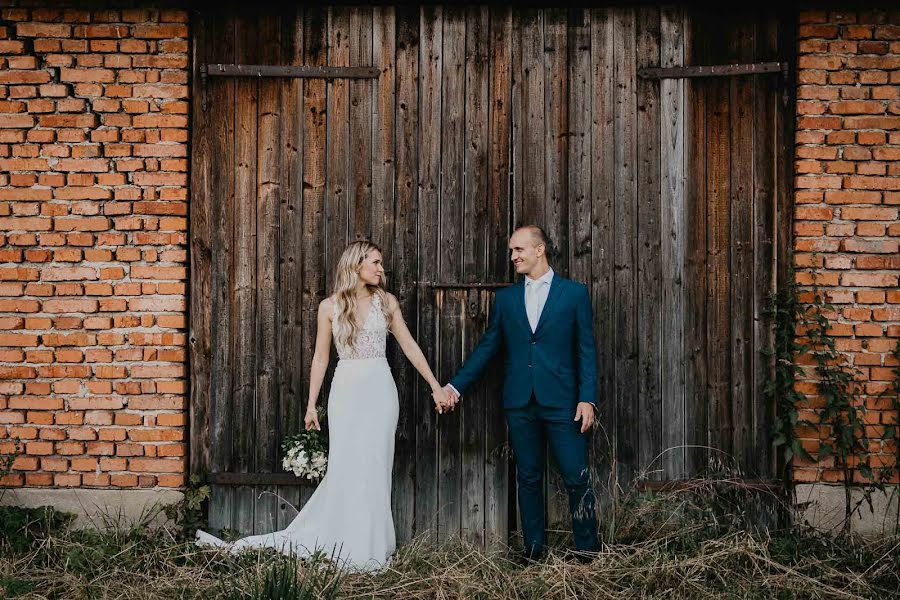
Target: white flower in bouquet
{"type": "Point", "coordinates": [306, 453]}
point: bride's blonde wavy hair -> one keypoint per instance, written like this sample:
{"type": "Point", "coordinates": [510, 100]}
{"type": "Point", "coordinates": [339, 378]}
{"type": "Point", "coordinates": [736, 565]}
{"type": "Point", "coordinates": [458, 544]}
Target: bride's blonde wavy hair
{"type": "Point", "coordinates": [345, 281]}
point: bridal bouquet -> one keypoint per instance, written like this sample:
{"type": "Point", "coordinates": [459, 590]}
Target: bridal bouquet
{"type": "Point", "coordinates": [306, 452]}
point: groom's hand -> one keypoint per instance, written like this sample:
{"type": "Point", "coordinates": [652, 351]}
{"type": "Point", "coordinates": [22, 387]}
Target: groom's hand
{"type": "Point", "coordinates": [452, 396]}
{"type": "Point", "coordinates": [585, 413]}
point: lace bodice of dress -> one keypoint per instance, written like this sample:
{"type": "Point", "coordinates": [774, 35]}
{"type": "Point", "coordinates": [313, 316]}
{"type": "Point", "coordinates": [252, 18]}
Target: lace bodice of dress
{"type": "Point", "coordinates": [370, 339]}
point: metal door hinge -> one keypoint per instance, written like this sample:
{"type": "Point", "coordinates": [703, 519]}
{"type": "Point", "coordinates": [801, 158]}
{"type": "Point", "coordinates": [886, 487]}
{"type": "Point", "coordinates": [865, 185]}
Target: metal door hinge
{"type": "Point", "coordinates": [235, 70]}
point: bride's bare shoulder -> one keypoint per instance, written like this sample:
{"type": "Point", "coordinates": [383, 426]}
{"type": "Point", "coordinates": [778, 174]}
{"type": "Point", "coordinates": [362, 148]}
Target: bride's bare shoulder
{"type": "Point", "coordinates": [326, 306]}
{"type": "Point", "coordinates": [391, 302]}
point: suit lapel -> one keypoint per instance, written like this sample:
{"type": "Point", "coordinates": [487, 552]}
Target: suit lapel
{"type": "Point", "coordinates": [556, 286]}
{"type": "Point", "coordinates": [519, 303]}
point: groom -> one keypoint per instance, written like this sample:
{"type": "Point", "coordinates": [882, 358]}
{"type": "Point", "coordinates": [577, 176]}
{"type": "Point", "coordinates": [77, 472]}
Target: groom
{"type": "Point", "coordinates": [550, 385]}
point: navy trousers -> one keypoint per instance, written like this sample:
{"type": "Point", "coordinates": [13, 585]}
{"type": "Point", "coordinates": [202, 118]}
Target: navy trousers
{"type": "Point", "coordinates": [529, 427]}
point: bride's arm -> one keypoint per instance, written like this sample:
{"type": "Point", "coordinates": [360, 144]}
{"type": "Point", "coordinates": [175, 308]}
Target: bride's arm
{"type": "Point", "coordinates": [320, 359]}
{"type": "Point", "coordinates": [412, 351]}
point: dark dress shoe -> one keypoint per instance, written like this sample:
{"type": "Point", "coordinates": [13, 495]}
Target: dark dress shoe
{"type": "Point", "coordinates": [527, 559]}
{"type": "Point", "coordinates": [584, 556]}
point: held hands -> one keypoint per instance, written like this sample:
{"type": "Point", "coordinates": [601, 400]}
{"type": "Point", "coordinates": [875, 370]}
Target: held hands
{"type": "Point", "coordinates": [311, 420]}
{"type": "Point", "coordinates": [444, 399]}
{"type": "Point", "coordinates": [585, 413]}
{"type": "Point", "coordinates": [452, 397]}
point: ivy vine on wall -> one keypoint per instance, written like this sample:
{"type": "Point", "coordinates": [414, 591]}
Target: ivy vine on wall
{"type": "Point", "coordinates": [842, 419]}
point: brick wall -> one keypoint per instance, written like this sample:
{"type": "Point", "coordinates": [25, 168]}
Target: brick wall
{"type": "Point", "coordinates": [93, 207]}
{"type": "Point", "coordinates": [847, 200]}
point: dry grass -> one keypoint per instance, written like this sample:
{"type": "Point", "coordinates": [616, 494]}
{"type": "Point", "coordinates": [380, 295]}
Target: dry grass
{"type": "Point", "coordinates": [686, 544]}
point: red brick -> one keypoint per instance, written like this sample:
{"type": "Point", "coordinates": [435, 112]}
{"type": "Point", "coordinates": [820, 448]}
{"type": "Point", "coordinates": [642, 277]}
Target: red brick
{"type": "Point", "coordinates": [819, 182]}
{"type": "Point", "coordinates": [828, 63]}
{"type": "Point", "coordinates": [881, 122]}
{"type": "Point", "coordinates": [25, 224]}
{"type": "Point", "coordinates": [871, 137]}
{"type": "Point", "coordinates": [155, 465]}
{"type": "Point", "coordinates": [872, 213]}
{"type": "Point", "coordinates": [820, 213]}
{"type": "Point", "coordinates": [159, 31]}
{"type": "Point", "coordinates": [858, 107]}
{"type": "Point", "coordinates": [81, 224]}
{"type": "Point", "coordinates": [68, 120]}
{"type": "Point", "coordinates": [887, 32]}
{"type": "Point", "coordinates": [18, 339]}
{"type": "Point", "coordinates": [87, 75]}
{"type": "Point", "coordinates": [65, 305]}
{"type": "Point", "coordinates": [68, 273]}
{"type": "Point", "coordinates": [852, 197]}
{"type": "Point", "coordinates": [43, 30]}
{"type": "Point", "coordinates": [869, 279]}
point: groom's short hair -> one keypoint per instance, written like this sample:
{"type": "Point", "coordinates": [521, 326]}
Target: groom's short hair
{"type": "Point", "coordinates": [538, 233]}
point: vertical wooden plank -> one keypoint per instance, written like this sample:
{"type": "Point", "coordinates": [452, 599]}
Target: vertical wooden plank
{"type": "Point", "coordinates": [220, 515]}
{"type": "Point", "coordinates": [476, 239]}
{"type": "Point", "coordinates": [696, 405]}
{"type": "Point", "coordinates": [288, 504]}
{"type": "Point", "coordinates": [245, 310]}
{"type": "Point", "coordinates": [649, 259]}
{"type": "Point", "coordinates": [452, 313]}
{"type": "Point", "coordinates": [292, 402]}
{"type": "Point", "coordinates": [315, 166]}
{"type": "Point", "coordinates": [718, 181]}
{"type": "Point", "coordinates": [203, 246]}
{"type": "Point", "coordinates": [672, 248]}
{"type": "Point", "coordinates": [450, 324]}
{"type": "Point", "coordinates": [578, 158]}
{"type": "Point", "coordinates": [625, 224]}
{"type": "Point", "coordinates": [533, 114]}
{"type": "Point", "coordinates": [786, 25]}
{"type": "Point", "coordinates": [556, 204]}
{"type": "Point", "coordinates": [221, 195]}
{"type": "Point", "coordinates": [556, 134]}
{"type": "Point", "coordinates": [314, 163]}
{"type": "Point", "coordinates": [765, 155]}
{"type": "Point", "coordinates": [517, 118]}
{"type": "Point", "coordinates": [741, 243]}
{"type": "Point", "coordinates": [383, 141]}
{"type": "Point", "coordinates": [602, 194]}
{"type": "Point", "coordinates": [268, 194]}
{"type": "Point", "coordinates": [474, 320]}
{"type": "Point", "coordinates": [431, 36]}
{"type": "Point", "coordinates": [405, 268]}
{"type": "Point", "coordinates": [360, 108]}
{"type": "Point", "coordinates": [476, 178]}
{"type": "Point", "coordinates": [496, 476]}
{"type": "Point", "coordinates": [338, 184]}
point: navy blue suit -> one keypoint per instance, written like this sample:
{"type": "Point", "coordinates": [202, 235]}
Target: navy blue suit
{"type": "Point", "coordinates": [547, 373]}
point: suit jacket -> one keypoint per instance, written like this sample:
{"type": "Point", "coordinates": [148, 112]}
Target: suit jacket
{"type": "Point", "coordinates": [558, 361]}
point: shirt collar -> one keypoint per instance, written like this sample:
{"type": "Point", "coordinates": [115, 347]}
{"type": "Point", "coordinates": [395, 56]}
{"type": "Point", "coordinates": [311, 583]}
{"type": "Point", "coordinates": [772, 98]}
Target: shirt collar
{"type": "Point", "coordinates": [545, 278]}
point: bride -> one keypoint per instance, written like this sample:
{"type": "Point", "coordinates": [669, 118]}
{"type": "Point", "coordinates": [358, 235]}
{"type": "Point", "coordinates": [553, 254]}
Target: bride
{"type": "Point", "coordinates": [349, 514]}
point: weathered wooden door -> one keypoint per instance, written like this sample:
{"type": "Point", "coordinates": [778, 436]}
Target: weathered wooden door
{"type": "Point", "coordinates": [665, 195]}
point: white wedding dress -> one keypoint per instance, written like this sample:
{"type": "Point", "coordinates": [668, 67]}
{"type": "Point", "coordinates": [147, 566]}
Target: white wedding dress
{"type": "Point", "coordinates": [350, 511]}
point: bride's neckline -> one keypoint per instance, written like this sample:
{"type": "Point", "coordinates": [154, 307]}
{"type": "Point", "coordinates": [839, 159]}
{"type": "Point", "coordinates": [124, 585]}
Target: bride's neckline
{"type": "Point", "coordinates": [369, 312]}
